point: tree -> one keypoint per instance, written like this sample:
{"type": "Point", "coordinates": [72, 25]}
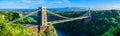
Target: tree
{"type": "Point", "coordinates": [114, 31]}
{"type": "Point", "coordinates": [2, 20]}
{"type": "Point", "coordinates": [26, 20]}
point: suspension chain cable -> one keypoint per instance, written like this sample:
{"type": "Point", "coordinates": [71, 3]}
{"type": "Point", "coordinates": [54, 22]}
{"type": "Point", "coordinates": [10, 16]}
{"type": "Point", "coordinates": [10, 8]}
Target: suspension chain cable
{"type": "Point", "coordinates": [56, 14]}
{"type": "Point", "coordinates": [66, 20]}
{"type": "Point", "coordinates": [70, 19]}
{"type": "Point", "coordinates": [23, 17]}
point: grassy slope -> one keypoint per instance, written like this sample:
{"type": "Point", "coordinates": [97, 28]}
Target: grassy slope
{"type": "Point", "coordinates": [19, 30]}
{"type": "Point", "coordinates": [49, 31]}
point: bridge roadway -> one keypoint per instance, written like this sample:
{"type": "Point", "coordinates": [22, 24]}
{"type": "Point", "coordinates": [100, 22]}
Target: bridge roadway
{"type": "Point", "coordinates": [66, 20]}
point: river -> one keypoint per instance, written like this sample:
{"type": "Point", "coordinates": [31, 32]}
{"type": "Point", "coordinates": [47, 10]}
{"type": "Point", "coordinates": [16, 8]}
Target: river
{"type": "Point", "coordinates": [60, 33]}
{"type": "Point", "coordinates": [64, 34]}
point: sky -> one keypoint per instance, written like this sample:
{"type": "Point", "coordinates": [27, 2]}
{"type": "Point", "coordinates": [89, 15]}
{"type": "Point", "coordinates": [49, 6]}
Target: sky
{"type": "Point", "coordinates": [34, 4]}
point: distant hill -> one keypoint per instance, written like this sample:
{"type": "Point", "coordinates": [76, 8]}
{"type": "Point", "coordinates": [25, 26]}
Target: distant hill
{"type": "Point", "coordinates": [20, 10]}
{"type": "Point", "coordinates": [65, 9]}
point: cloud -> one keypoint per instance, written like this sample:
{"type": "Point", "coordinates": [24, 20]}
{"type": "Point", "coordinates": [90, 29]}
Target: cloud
{"type": "Point", "coordinates": [116, 7]}
{"type": "Point", "coordinates": [33, 1]}
{"type": "Point", "coordinates": [112, 6]}
{"type": "Point", "coordinates": [108, 7]}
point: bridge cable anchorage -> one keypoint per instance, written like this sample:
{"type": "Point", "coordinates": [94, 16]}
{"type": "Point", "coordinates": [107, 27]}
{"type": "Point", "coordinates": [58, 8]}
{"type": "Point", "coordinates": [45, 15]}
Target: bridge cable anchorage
{"type": "Point", "coordinates": [23, 17]}
{"type": "Point", "coordinates": [69, 19]}
{"type": "Point", "coordinates": [57, 14]}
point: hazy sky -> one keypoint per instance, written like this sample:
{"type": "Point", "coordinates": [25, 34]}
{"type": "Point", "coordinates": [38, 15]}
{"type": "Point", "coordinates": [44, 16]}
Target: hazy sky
{"type": "Point", "coordinates": [31, 4]}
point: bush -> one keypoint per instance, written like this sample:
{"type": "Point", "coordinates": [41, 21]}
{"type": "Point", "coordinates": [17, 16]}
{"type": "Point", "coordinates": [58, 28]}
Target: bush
{"type": "Point", "coordinates": [13, 30]}
{"type": "Point", "coordinates": [114, 31]}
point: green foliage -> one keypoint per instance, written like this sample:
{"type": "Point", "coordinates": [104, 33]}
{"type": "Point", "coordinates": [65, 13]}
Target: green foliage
{"type": "Point", "coordinates": [13, 30]}
{"type": "Point", "coordinates": [2, 19]}
{"type": "Point", "coordinates": [101, 22]}
{"type": "Point", "coordinates": [26, 20]}
{"type": "Point", "coordinates": [20, 30]}
{"type": "Point", "coordinates": [15, 16]}
{"type": "Point", "coordinates": [10, 16]}
{"type": "Point", "coordinates": [114, 31]}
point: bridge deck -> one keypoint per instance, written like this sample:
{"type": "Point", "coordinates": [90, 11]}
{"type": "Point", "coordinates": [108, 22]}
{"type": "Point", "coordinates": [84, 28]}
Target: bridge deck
{"type": "Point", "coordinates": [66, 20]}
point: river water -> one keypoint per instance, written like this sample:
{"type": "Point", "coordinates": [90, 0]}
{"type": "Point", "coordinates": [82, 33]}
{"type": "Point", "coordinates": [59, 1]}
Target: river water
{"type": "Point", "coordinates": [59, 33]}
{"type": "Point", "coordinates": [64, 34]}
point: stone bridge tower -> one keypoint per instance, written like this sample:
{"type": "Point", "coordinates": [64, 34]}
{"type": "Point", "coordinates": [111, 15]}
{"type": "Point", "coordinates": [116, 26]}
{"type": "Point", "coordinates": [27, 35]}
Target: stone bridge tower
{"type": "Point", "coordinates": [87, 20]}
{"type": "Point", "coordinates": [42, 18]}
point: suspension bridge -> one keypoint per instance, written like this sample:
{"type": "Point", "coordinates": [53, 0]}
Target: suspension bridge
{"type": "Point", "coordinates": [42, 22]}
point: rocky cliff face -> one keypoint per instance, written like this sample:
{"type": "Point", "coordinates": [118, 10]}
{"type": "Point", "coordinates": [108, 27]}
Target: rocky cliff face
{"type": "Point", "coordinates": [50, 31]}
